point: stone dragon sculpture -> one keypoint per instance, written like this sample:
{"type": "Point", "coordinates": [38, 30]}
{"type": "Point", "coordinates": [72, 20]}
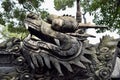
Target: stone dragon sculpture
{"type": "Point", "coordinates": [57, 49]}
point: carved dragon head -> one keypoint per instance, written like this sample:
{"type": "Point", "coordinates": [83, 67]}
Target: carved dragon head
{"type": "Point", "coordinates": [106, 56]}
{"type": "Point", "coordinates": [67, 53]}
{"type": "Point", "coordinates": [32, 20]}
{"type": "Point", "coordinates": [107, 42]}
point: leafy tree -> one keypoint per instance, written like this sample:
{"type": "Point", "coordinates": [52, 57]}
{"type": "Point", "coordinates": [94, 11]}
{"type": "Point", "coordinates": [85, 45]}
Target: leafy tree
{"type": "Point", "coordinates": [13, 12]}
{"type": "Point", "coordinates": [11, 31]}
{"type": "Point", "coordinates": [105, 12]}
{"type": "Point", "coordinates": [63, 4]}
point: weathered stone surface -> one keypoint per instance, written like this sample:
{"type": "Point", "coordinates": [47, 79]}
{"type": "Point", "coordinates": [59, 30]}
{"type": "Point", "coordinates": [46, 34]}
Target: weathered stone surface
{"type": "Point", "coordinates": [51, 52]}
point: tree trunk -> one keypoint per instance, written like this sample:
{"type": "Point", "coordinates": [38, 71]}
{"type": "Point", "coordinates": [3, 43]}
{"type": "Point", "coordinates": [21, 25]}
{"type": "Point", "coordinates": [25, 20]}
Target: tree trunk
{"type": "Point", "coordinates": [78, 14]}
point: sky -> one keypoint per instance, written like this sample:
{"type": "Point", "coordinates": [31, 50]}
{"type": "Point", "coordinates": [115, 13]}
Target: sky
{"type": "Point", "coordinates": [49, 5]}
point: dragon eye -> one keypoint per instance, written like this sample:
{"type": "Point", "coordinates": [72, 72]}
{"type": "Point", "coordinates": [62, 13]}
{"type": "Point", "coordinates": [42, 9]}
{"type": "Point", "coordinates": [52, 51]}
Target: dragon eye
{"type": "Point", "coordinates": [104, 49]}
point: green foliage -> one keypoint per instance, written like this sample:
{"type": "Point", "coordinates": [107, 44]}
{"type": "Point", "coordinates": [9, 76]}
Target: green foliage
{"type": "Point", "coordinates": [13, 13]}
{"type": "Point", "coordinates": [17, 9]}
{"type": "Point", "coordinates": [62, 4]}
{"type": "Point", "coordinates": [7, 5]}
{"type": "Point", "coordinates": [105, 12]}
{"type": "Point", "coordinates": [44, 14]}
{"type": "Point", "coordinates": [10, 31]}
